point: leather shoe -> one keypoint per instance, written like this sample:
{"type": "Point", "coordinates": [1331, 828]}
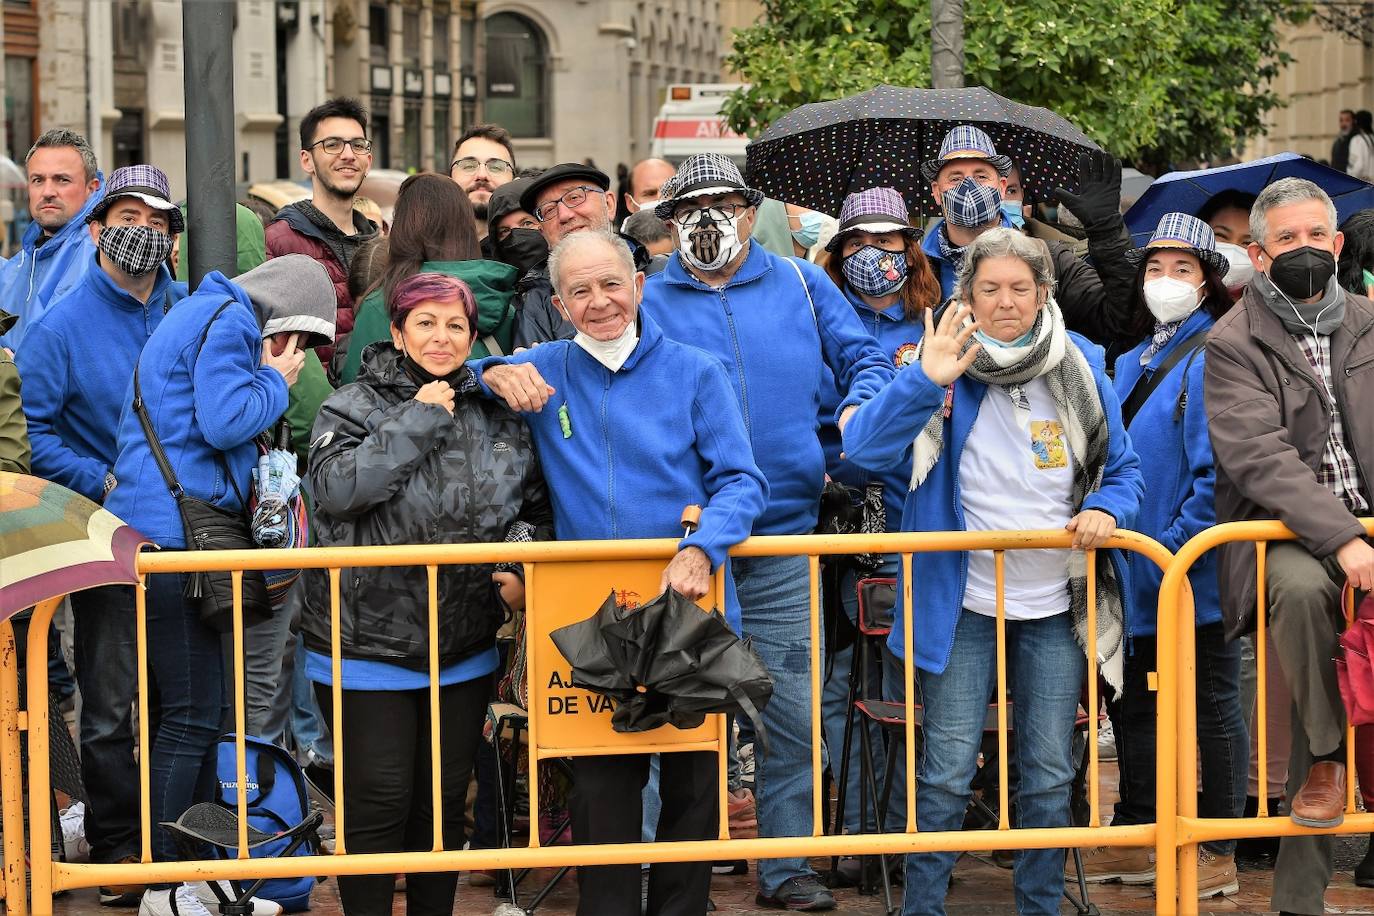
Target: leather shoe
{"type": "Point", "coordinates": [1321, 800]}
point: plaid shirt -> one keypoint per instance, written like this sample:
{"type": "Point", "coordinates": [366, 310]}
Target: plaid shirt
{"type": "Point", "coordinates": [1338, 470]}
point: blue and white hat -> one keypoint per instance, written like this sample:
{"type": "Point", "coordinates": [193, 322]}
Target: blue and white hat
{"type": "Point", "coordinates": [705, 173]}
{"type": "Point", "coordinates": [966, 142]}
{"type": "Point", "coordinates": [1184, 233]}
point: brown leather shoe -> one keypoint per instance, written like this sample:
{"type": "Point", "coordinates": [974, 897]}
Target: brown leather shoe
{"type": "Point", "coordinates": [1321, 800]}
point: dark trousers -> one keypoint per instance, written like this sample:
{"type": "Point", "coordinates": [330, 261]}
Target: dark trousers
{"type": "Point", "coordinates": [388, 805]}
{"type": "Point", "coordinates": [106, 654]}
{"type": "Point", "coordinates": [605, 807]}
{"type": "Point", "coordinates": [1221, 737]}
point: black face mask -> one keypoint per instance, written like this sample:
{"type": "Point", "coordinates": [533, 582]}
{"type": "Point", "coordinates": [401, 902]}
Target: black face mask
{"type": "Point", "coordinates": [1303, 272]}
{"type": "Point", "coordinates": [524, 248]}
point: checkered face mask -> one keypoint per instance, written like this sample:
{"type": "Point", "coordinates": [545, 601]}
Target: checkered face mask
{"type": "Point", "coordinates": [970, 204]}
{"type": "Point", "coordinates": [136, 250]}
{"type": "Point", "coordinates": [711, 241]}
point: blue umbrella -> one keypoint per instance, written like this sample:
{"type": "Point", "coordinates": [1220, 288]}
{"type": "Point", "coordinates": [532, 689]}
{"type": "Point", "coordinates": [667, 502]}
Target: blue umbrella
{"type": "Point", "coordinates": [1187, 192]}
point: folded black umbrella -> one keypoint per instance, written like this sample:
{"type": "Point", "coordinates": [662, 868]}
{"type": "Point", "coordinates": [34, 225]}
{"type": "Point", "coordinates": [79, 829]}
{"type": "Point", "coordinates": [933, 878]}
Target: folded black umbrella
{"type": "Point", "coordinates": [667, 662]}
{"type": "Point", "coordinates": [817, 154]}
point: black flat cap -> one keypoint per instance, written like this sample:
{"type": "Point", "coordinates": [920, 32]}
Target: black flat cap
{"type": "Point", "coordinates": [529, 198]}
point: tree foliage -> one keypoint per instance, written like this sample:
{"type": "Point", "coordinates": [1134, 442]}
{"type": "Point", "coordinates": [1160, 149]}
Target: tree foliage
{"type": "Point", "coordinates": [1151, 80]}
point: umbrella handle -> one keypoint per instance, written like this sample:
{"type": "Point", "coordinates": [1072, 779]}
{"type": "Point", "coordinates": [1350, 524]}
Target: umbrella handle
{"type": "Point", "coordinates": [691, 518]}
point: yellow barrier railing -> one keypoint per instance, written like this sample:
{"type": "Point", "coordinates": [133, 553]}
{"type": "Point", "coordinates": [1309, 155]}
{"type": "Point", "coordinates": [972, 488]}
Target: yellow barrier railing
{"type": "Point", "coordinates": [1178, 613]}
{"type": "Point", "coordinates": [606, 563]}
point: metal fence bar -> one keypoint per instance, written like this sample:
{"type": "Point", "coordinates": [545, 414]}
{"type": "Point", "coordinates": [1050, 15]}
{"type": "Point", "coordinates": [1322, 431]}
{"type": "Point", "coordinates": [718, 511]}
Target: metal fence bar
{"type": "Point", "coordinates": [336, 723]}
{"type": "Point", "coordinates": [999, 560]}
{"type": "Point", "coordinates": [1094, 792]}
{"type": "Point", "coordinates": [240, 717]}
{"type": "Point", "coordinates": [436, 767]}
{"type": "Point", "coordinates": [909, 692]}
{"type": "Point", "coordinates": [11, 779]}
{"type": "Point", "coordinates": [145, 746]}
{"type": "Point", "coordinates": [813, 575]}
{"type": "Point", "coordinates": [40, 811]}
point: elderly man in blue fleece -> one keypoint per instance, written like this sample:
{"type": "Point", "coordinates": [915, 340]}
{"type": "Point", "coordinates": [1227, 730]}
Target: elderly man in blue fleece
{"type": "Point", "coordinates": [76, 363]}
{"type": "Point", "coordinates": [773, 322]}
{"type": "Point", "coordinates": [631, 427]}
{"type": "Point", "coordinates": [64, 186]}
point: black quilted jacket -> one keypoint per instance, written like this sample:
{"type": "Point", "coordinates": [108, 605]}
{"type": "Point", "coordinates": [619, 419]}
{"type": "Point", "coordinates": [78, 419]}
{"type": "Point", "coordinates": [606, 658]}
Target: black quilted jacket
{"type": "Point", "coordinates": [387, 469]}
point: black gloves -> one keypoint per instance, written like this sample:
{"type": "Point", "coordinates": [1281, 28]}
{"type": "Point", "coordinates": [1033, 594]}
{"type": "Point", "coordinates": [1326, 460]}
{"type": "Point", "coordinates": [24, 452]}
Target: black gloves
{"type": "Point", "coordinates": [1098, 200]}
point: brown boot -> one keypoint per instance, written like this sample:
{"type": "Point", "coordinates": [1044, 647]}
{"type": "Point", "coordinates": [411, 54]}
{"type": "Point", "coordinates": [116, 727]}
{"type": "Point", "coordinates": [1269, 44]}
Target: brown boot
{"type": "Point", "coordinates": [1127, 864]}
{"type": "Point", "coordinates": [1216, 875]}
{"type": "Point", "coordinates": [1321, 800]}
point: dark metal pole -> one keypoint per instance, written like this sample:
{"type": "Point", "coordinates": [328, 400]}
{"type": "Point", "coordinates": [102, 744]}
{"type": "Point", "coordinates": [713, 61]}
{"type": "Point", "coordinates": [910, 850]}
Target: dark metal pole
{"type": "Point", "coordinates": [207, 35]}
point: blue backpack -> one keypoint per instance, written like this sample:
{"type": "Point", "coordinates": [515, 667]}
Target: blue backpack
{"type": "Point", "coordinates": [277, 801]}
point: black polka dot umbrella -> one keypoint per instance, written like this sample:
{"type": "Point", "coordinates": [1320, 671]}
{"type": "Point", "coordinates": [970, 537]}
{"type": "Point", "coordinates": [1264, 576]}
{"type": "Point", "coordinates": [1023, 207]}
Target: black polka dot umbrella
{"type": "Point", "coordinates": [817, 154]}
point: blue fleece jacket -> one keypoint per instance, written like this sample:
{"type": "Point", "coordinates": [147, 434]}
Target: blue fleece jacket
{"type": "Point", "coordinates": [77, 361]}
{"type": "Point", "coordinates": [944, 268]}
{"type": "Point", "coordinates": [773, 345]}
{"type": "Point", "coordinates": [205, 410]}
{"type": "Point", "coordinates": [897, 337]}
{"type": "Point", "coordinates": [1180, 476]}
{"type": "Point", "coordinates": [624, 452]}
{"type": "Point", "coordinates": [879, 437]}
{"type": "Point", "coordinates": [38, 275]}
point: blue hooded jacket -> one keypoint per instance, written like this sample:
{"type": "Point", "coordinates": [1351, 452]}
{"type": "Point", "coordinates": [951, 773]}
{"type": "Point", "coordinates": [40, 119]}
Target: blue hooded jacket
{"type": "Point", "coordinates": [34, 279]}
{"type": "Point", "coordinates": [77, 361]}
{"type": "Point", "coordinates": [1180, 475]}
{"type": "Point", "coordinates": [205, 410]}
{"type": "Point", "coordinates": [625, 452]}
{"type": "Point", "coordinates": [773, 346]}
{"type": "Point", "coordinates": [879, 436]}
{"type": "Point", "coordinates": [897, 337]}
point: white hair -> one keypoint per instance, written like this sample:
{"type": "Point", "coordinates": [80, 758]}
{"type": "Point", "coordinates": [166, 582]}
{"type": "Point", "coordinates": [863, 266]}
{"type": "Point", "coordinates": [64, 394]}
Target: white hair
{"type": "Point", "coordinates": [1281, 193]}
{"type": "Point", "coordinates": [1005, 243]}
{"type": "Point", "coordinates": [583, 239]}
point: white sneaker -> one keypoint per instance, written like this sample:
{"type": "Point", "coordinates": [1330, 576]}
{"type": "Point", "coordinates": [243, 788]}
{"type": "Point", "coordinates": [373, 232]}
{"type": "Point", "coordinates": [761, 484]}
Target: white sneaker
{"type": "Point", "coordinates": [1106, 741]}
{"type": "Point", "coordinates": [74, 843]}
{"type": "Point", "coordinates": [178, 901]}
{"type": "Point", "coordinates": [261, 907]}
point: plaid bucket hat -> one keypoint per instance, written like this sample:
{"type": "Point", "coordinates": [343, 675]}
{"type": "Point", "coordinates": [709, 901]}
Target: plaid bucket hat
{"type": "Point", "coordinates": [149, 184]}
{"type": "Point", "coordinates": [965, 142]}
{"type": "Point", "coordinates": [872, 210]}
{"type": "Point", "coordinates": [1184, 233]}
{"type": "Point", "coordinates": [704, 173]}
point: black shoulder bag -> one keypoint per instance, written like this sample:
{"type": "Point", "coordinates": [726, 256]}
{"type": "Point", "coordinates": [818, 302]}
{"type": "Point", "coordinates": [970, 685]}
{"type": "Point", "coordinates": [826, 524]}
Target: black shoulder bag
{"type": "Point", "coordinates": [1146, 386]}
{"type": "Point", "coordinates": [209, 527]}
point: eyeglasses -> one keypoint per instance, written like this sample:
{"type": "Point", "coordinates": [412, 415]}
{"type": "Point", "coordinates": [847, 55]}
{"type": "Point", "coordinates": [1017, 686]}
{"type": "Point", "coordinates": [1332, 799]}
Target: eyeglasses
{"type": "Point", "coordinates": [504, 232]}
{"type": "Point", "coordinates": [469, 164]}
{"type": "Point", "coordinates": [716, 212]}
{"type": "Point", "coordinates": [572, 199]}
{"type": "Point", "coordinates": [334, 145]}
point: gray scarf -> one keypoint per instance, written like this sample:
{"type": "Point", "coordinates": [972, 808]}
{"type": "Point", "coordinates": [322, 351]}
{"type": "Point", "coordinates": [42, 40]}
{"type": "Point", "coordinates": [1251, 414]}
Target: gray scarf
{"type": "Point", "coordinates": [1321, 317]}
{"type": "Point", "coordinates": [1051, 355]}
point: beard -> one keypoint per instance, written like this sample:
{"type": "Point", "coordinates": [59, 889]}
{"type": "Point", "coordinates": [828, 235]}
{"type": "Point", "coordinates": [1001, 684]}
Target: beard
{"type": "Point", "coordinates": [480, 211]}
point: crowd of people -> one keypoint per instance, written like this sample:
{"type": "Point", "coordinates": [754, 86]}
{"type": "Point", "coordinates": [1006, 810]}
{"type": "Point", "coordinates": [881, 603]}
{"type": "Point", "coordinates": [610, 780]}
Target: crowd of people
{"type": "Point", "coordinates": [528, 354]}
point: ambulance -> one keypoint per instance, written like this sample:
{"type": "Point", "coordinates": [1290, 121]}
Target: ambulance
{"type": "Point", "coordinates": [690, 122]}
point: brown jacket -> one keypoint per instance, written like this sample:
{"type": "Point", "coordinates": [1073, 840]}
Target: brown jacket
{"type": "Point", "coordinates": [1267, 411]}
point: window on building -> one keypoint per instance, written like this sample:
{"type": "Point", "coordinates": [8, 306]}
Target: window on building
{"type": "Point", "coordinates": [19, 123]}
{"type": "Point", "coordinates": [378, 33]}
{"type": "Point", "coordinates": [128, 139]}
{"type": "Point", "coordinates": [443, 136]}
{"type": "Point", "coordinates": [410, 37]}
{"type": "Point", "coordinates": [380, 131]}
{"type": "Point", "coordinates": [411, 115]}
{"type": "Point", "coordinates": [441, 41]}
{"type": "Point", "coordinates": [517, 68]}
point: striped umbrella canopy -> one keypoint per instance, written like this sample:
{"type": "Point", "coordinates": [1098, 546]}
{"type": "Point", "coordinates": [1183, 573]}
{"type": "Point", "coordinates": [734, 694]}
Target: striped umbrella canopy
{"type": "Point", "coordinates": [54, 542]}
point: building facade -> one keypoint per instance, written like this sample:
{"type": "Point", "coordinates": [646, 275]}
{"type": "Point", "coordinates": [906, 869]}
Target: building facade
{"type": "Point", "coordinates": [571, 79]}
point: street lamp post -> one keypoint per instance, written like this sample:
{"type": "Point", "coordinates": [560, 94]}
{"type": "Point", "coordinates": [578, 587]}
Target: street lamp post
{"type": "Point", "coordinates": [207, 28]}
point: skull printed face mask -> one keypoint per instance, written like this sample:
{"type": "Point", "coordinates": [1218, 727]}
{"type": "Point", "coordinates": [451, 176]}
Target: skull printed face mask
{"type": "Point", "coordinates": [710, 241]}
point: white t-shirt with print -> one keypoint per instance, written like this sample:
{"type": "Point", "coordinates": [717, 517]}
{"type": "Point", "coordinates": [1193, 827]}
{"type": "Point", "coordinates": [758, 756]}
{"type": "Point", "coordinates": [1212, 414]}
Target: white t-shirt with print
{"type": "Point", "coordinates": [1017, 478]}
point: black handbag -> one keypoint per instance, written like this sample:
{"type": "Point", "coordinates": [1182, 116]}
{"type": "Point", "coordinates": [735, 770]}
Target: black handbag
{"type": "Point", "coordinates": [210, 527]}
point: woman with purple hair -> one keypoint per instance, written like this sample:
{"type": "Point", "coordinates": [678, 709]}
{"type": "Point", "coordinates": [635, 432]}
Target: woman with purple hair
{"type": "Point", "coordinates": [411, 453]}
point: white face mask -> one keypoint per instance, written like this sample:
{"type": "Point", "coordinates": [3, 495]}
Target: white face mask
{"type": "Point", "coordinates": [1241, 270]}
{"type": "Point", "coordinates": [610, 353]}
{"type": "Point", "coordinates": [1170, 299]}
{"type": "Point", "coordinates": [709, 244]}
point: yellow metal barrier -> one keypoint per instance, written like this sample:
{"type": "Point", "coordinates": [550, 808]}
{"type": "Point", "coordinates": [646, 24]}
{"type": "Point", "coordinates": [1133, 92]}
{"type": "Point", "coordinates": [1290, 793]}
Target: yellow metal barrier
{"type": "Point", "coordinates": [1178, 614]}
{"type": "Point", "coordinates": [552, 568]}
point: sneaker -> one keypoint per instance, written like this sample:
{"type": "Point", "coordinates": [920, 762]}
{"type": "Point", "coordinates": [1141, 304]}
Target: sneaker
{"type": "Point", "coordinates": [1101, 864]}
{"type": "Point", "coordinates": [203, 892]}
{"type": "Point", "coordinates": [1106, 741]}
{"type": "Point", "coordinates": [730, 867]}
{"type": "Point", "coordinates": [1216, 875]}
{"type": "Point", "coordinates": [742, 814]}
{"type": "Point", "coordinates": [804, 892]}
{"type": "Point", "coordinates": [177, 901]}
{"type": "Point", "coordinates": [74, 845]}
{"type": "Point", "coordinates": [123, 894]}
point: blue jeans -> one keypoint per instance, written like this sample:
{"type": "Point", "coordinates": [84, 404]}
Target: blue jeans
{"type": "Point", "coordinates": [105, 641]}
{"type": "Point", "coordinates": [307, 725]}
{"type": "Point", "coordinates": [775, 601]}
{"type": "Point", "coordinates": [187, 667]}
{"type": "Point", "coordinates": [1045, 671]}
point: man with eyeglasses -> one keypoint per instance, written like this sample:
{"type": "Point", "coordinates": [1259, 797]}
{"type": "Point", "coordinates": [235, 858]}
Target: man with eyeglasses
{"type": "Point", "coordinates": [567, 198]}
{"type": "Point", "coordinates": [483, 160]}
{"type": "Point", "coordinates": [337, 154]}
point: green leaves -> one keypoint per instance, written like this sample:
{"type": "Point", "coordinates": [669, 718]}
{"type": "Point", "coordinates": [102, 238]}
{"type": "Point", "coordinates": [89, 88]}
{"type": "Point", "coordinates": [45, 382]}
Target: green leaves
{"type": "Point", "coordinates": [1156, 80]}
